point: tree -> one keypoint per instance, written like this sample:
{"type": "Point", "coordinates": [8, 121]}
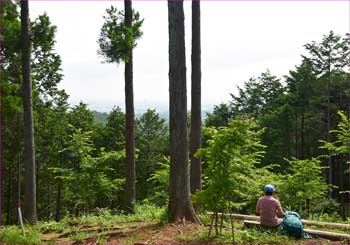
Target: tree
{"type": "Point", "coordinates": [232, 154]}
{"type": "Point", "coordinates": [29, 149]}
{"type": "Point", "coordinates": [301, 85]}
{"type": "Point", "coordinates": [304, 185]}
{"type": "Point", "coordinates": [45, 74]}
{"type": "Point", "coordinates": [180, 204]}
{"type": "Point", "coordinates": [328, 56]}
{"type": "Point", "coordinates": [117, 39]}
{"type": "Point", "coordinates": [115, 130]}
{"type": "Point", "coordinates": [86, 177]}
{"type": "Point", "coordinates": [152, 144]}
{"type": "Point", "coordinates": [130, 194]}
{"type": "Point", "coordinates": [220, 116]}
{"type": "Point", "coordinates": [196, 120]}
{"type": "Point", "coordinates": [341, 146]}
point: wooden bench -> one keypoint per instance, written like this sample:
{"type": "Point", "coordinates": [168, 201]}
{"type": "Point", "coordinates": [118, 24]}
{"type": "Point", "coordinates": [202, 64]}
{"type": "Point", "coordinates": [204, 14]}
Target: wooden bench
{"type": "Point", "coordinates": [323, 234]}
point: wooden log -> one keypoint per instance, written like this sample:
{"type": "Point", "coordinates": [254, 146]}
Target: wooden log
{"type": "Point", "coordinates": [252, 224]}
{"type": "Point", "coordinates": [306, 222]}
{"type": "Point", "coordinates": [329, 235]}
{"type": "Point", "coordinates": [323, 234]}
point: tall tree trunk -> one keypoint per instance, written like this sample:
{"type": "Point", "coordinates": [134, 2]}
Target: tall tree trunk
{"type": "Point", "coordinates": [58, 201]}
{"type": "Point", "coordinates": [9, 191]}
{"type": "Point", "coordinates": [130, 120]}
{"type": "Point", "coordinates": [302, 135]}
{"type": "Point", "coordinates": [329, 160]}
{"type": "Point", "coordinates": [29, 205]}
{"type": "Point", "coordinates": [180, 205]}
{"type": "Point", "coordinates": [48, 197]}
{"type": "Point", "coordinates": [296, 135]}
{"type": "Point", "coordinates": [196, 120]}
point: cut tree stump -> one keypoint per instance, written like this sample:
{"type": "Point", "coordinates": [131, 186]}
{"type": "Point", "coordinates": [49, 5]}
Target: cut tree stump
{"type": "Point", "coordinates": [322, 234]}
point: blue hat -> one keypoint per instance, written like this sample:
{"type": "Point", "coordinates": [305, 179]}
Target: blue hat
{"type": "Point", "coordinates": [269, 188]}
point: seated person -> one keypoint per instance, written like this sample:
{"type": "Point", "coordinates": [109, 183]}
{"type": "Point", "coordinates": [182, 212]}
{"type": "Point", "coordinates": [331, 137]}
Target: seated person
{"type": "Point", "coordinates": [268, 208]}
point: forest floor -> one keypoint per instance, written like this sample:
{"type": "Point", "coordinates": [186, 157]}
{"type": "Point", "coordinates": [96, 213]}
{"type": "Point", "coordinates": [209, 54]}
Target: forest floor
{"type": "Point", "coordinates": [146, 226]}
{"type": "Point", "coordinates": [158, 233]}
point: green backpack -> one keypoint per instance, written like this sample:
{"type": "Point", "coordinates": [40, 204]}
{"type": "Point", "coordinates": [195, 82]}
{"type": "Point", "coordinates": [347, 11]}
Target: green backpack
{"type": "Point", "coordinates": [292, 225]}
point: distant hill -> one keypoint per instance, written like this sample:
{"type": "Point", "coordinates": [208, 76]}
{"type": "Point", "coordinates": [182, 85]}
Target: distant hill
{"type": "Point", "coordinates": [101, 116]}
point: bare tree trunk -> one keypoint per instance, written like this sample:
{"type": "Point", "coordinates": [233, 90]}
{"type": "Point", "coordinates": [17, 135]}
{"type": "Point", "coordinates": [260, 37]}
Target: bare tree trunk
{"type": "Point", "coordinates": [130, 121]}
{"type": "Point", "coordinates": [196, 120]}
{"type": "Point", "coordinates": [58, 201]}
{"type": "Point", "coordinates": [9, 191]}
{"type": "Point", "coordinates": [302, 135]}
{"type": "Point", "coordinates": [329, 160]}
{"type": "Point", "coordinates": [29, 208]}
{"type": "Point", "coordinates": [180, 205]}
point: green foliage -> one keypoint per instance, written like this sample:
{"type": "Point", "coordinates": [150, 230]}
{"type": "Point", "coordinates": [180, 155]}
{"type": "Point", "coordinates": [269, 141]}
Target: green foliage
{"type": "Point", "coordinates": [220, 117]}
{"type": "Point", "coordinates": [13, 235]}
{"type": "Point", "coordinates": [342, 143]}
{"type": "Point", "coordinates": [331, 53]}
{"type": "Point", "coordinates": [152, 141]}
{"type": "Point", "coordinates": [160, 180]}
{"type": "Point", "coordinates": [114, 133]}
{"type": "Point", "coordinates": [262, 176]}
{"type": "Point", "coordinates": [46, 64]}
{"type": "Point", "coordinates": [304, 186]}
{"type": "Point", "coordinates": [326, 207]}
{"type": "Point", "coordinates": [85, 177]}
{"type": "Point", "coordinates": [242, 236]}
{"type": "Point", "coordinates": [253, 236]}
{"type": "Point", "coordinates": [231, 155]}
{"type": "Point", "coordinates": [116, 40]}
{"type": "Point", "coordinates": [143, 212]}
{"type": "Point", "coordinates": [51, 226]}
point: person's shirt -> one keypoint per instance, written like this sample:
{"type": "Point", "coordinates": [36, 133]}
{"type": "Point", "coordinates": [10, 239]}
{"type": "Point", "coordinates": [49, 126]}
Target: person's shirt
{"type": "Point", "coordinates": [268, 207]}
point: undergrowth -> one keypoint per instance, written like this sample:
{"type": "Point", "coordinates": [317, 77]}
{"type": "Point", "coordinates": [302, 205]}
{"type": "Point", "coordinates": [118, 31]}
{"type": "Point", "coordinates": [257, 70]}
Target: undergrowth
{"type": "Point", "coordinates": [148, 214]}
{"type": "Point", "coordinates": [142, 213]}
{"type": "Point", "coordinates": [13, 235]}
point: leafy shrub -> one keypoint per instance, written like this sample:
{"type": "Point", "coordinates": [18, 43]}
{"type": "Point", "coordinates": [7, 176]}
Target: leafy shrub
{"type": "Point", "coordinates": [160, 178]}
{"type": "Point", "coordinates": [13, 235]}
{"type": "Point", "coordinates": [326, 206]}
{"type": "Point", "coordinates": [49, 226]}
{"type": "Point", "coordinates": [231, 155]}
{"type": "Point", "coordinates": [304, 186]}
{"type": "Point", "coordinates": [85, 176]}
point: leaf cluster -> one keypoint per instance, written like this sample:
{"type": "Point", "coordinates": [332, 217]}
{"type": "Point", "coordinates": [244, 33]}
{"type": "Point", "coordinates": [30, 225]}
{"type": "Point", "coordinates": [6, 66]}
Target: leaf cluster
{"type": "Point", "coordinates": [231, 156]}
{"type": "Point", "coordinates": [116, 40]}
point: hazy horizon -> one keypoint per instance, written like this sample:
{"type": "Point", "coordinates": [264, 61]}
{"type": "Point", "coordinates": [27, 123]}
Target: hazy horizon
{"type": "Point", "coordinates": [253, 37]}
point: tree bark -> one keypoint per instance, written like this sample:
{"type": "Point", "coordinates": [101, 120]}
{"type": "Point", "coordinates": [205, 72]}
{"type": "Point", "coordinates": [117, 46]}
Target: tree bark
{"type": "Point", "coordinates": [302, 135]}
{"type": "Point", "coordinates": [9, 191]}
{"type": "Point", "coordinates": [329, 159]}
{"type": "Point", "coordinates": [58, 201]}
{"type": "Point", "coordinates": [180, 205]}
{"type": "Point", "coordinates": [130, 120]}
{"type": "Point", "coordinates": [196, 120]}
{"type": "Point", "coordinates": [29, 205]}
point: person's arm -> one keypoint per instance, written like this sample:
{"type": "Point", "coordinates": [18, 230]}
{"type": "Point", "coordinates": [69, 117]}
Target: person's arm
{"type": "Point", "coordinates": [257, 210]}
{"type": "Point", "coordinates": [280, 212]}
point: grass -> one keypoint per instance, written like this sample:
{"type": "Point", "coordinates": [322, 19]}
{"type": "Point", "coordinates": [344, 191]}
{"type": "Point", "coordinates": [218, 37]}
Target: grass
{"type": "Point", "coordinates": [241, 234]}
{"type": "Point", "coordinates": [13, 235]}
{"type": "Point", "coordinates": [142, 213]}
{"type": "Point", "coordinates": [78, 229]}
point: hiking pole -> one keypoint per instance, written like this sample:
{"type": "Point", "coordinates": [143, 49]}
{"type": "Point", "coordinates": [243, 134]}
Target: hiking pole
{"type": "Point", "coordinates": [20, 218]}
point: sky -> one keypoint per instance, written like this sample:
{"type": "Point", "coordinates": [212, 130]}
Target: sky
{"type": "Point", "coordinates": [239, 40]}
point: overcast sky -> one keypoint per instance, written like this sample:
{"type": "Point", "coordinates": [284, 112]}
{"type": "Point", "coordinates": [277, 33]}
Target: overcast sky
{"type": "Point", "coordinates": [239, 40]}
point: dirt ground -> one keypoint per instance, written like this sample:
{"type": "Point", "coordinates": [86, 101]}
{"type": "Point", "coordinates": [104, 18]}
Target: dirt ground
{"type": "Point", "coordinates": [139, 233]}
